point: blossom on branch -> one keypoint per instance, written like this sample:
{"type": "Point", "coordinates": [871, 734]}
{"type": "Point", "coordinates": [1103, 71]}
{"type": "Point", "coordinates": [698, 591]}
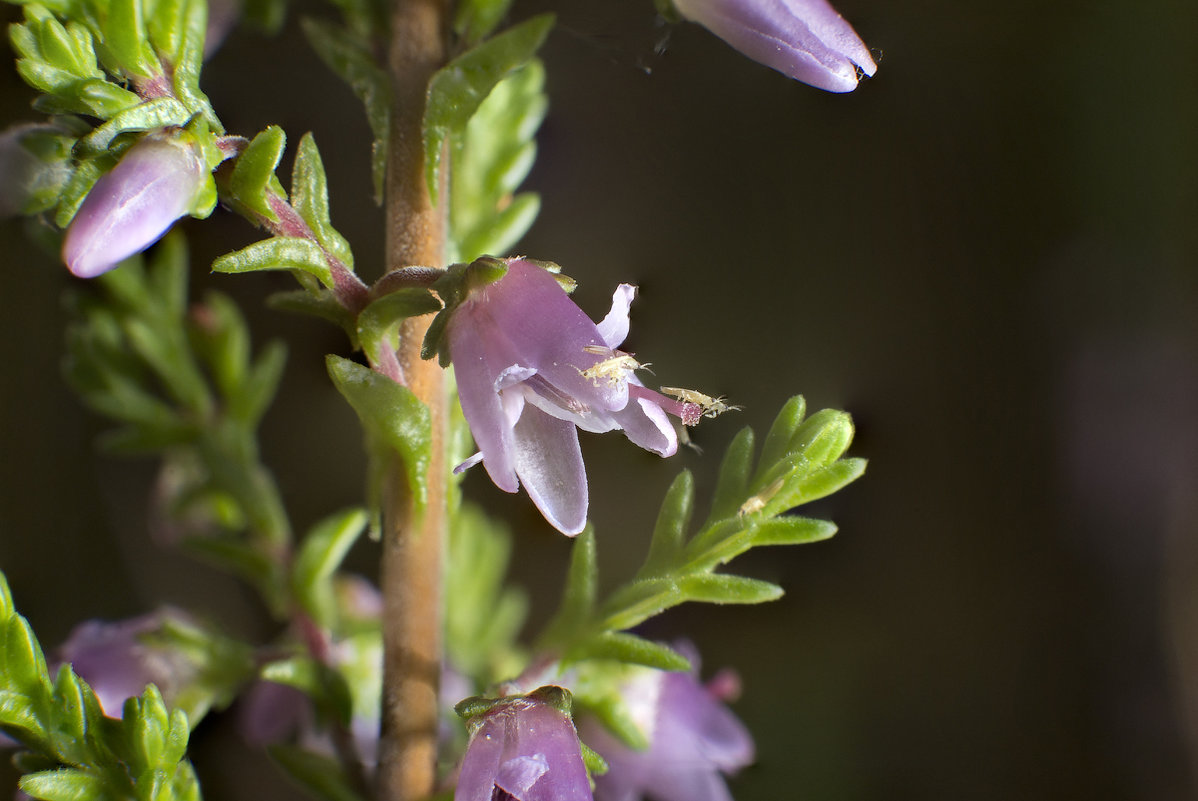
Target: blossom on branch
{"type": "Point", "coordinates": [532, 368]}
{"type": "Point", "coordinates": [803, 39]}
{"type": "Point", "coordinates": [524, 748]}
{"type": "Point", "coordinates": [694, 740]}
{"type": "Point", "coordinates": [160, 179]}
{"type": "Point", "coordinates": [118, 659]}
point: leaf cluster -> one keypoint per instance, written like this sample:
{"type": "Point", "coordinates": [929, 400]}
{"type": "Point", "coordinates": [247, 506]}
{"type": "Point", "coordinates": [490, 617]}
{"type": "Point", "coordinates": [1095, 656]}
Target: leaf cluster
{"type": "Point", "coordinates": [801, 461]}
{"type": "Point", "coordinates": [184, 383]}
{"type": "Point", "coordinates": [72, 750]}
{"type": "Point", "coordinates": [132, 65]}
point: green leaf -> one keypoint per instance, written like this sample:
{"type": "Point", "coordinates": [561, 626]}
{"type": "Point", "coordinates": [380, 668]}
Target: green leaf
{"type": "Point", "coordinates": [318, 774]}
{"type": "Point", "coordinates": [822, 483]}
{"type": "Point", "coordinates": [125, 38]}
{"type": "Point", "coordinates": [824, 437]}
{"type": "Point", "coordinates": [321, 303]}
{"type": "Point", "coordinates": [254, 395]}
{"type": "Point", "coordinates": [637, 601]}
{"type": "Point", "coordinates": [457, 89]}
{"type": "Point", "coordinates": [393, 417]}
{"type": "Point", "coordinates": [792, 531]}
{"type": "Point", "coordinates": [278, 253]}
{"type": "Point", "coordinates": [188, 60]}
{"type": "Point", "coordinates": [148, 730]}
{"type": "Point", "coordinates": [74, 717]}
{"type": "Point", "coordinates": [578, 598]}
{"type": "Point", "coordinates": [25, 665]}
{"type": "Point", "coordinates": [777, 442]}
{"type": "Point", "coordinates": [733, 482]}
{"type": "Point", "coordinates": [220, 337]}
{"type": "Point", "coordinates": [669, 534]}
{"type": "Point", "coordinates": [310, 197]}
{"type": "Point", "coordinates": [629, 648]}
{"type": "Point", "coordinates": [377, 323]}
{"type": "Point", "coordinates": [254, 174]}
{"type": "Point", "coordinates": [351, 58]}
{"type": "Point", "coordinates": [17, 712]}
{"type": "Point", "coordinates": [717, 588]}
{"type": "Point", "coordinates": [67, 784]}
{"type": "Point", "coordinates": [150, 115]}
{"type": "Point", "coordinates": [476, 19]}
{"type": "Point", "coordinates": [318, 559]}
{"type": "Point", "coordinates": [6, 605]}
{"type": "Point", "coordinates": [59, 49]}
{"type": "Point", "coordinates": [596, 765]}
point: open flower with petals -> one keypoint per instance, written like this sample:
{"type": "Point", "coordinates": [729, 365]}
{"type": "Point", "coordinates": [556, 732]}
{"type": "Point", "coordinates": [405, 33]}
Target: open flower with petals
{"type": "Point", "coordinates": [524, 748]}
{"type": "Point", "coordinates": [803, 39]}
{"type": "Point", "coordinates": [162, 178]}
{"type": "Point", "coordinates": [532, 368]}
{"type": "Point", "coordinates": [694, 740]}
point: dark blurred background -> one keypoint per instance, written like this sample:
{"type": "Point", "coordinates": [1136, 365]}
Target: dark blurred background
{"type": "Point", "coordinates": [987, 254]}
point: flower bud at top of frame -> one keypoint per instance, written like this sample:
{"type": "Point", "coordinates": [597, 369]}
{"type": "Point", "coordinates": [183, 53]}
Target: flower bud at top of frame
{"type": "Point", "coordinates": [803, 39]}
{"type": "Point", "coordinates": [156, 182]}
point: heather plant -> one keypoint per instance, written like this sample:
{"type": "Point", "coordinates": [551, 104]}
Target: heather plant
{"type": "Point", "coordinates": [465, 353]}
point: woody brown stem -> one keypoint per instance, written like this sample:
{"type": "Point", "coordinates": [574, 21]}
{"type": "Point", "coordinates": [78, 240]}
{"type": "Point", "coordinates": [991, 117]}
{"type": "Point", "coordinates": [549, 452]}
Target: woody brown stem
{"type": "Point", "coordinates": [413, 543]}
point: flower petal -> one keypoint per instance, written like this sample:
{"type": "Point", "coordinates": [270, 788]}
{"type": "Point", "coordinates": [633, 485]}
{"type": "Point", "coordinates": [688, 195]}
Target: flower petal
{"type": "Point", "coordinates": [544, 733]}
{"type": "Point", "coordinates": [614, 327]}
{"type": "Point", "coordinates": [545, 330]}
{"type": "Point", "coordinates": [648, 427]}
{"type": "Point", "coordinates": [517, 776]}
{"type": "Point", "coordinates": [548, 460]}
{"type": "Point", "coordinates": [804, 39]}
{"type": "Point", "coordinates": [476, 782]}
{"type": "Point", "coordinates": [476, 373]}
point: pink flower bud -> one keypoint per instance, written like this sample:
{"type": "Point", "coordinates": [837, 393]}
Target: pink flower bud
{"type": "Point", "coordinates": [526, 750]}
{"type": "Point", "coordinates": [157, 182]}
{"type": "Point", "coordinates": [803, 39]}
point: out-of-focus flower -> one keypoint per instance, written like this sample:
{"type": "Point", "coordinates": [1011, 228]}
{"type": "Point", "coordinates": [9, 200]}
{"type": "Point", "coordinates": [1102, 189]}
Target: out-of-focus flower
{"type": "Point", "coordinates": [803, 39]}
{"type": "Point", "coordinates": [531, 367]}
{"type": "Point", "coordinates": [526, 749]}
{"type": "Point", "coordinates": [161, 178]}
{"type": "Point", "coordinates": [693, 740]}
{"type": "Point", "coordinates": [119, 659]}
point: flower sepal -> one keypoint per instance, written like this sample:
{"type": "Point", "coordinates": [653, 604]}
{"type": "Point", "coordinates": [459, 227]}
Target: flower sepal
{"type": "Point", "coordinates": [475, 707]}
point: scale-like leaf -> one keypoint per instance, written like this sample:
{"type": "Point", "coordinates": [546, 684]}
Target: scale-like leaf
{"type": "Point", "coordinates": [718, 588]}
{"type": "Point", "coordinates": [622, 647]}
{"type": "Point", "coordinates": [669, 535]}
{"type": "Point", "coordinates": [310, 198]}
{"type": "Point", "coordinates": [458, 88]}
{"type": "Point", "coordinates": [254, 175]}
{"type": "Point", "coordinates": [392, 416]}
{"type": "Point", "coordinates": [278, 253]}
{"type": "Point", "coordinates": [319, 557]}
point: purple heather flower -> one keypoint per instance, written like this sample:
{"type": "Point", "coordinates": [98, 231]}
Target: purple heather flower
{"type": "Point", "coordinates": [524, 749]}
{"type": "Point", "coordinates": [117, 661]}
{"type": "Point", "coordinates": [693, 740]}
{"type": "Point", "coordinates": [158, 181]}
{"type": "Point", "coordinates": [531, 369]}
{"type": "Point", "coordinates": [803, 39]}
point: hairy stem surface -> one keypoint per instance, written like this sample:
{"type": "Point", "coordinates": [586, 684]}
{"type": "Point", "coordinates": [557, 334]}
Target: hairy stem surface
{"type": "Point", "coordinates": [412, 547]}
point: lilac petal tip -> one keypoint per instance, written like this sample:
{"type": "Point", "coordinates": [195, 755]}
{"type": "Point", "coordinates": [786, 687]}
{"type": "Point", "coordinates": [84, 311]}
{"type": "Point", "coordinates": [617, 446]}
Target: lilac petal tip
{"type": "Point", "coordinates": [803, 39]}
